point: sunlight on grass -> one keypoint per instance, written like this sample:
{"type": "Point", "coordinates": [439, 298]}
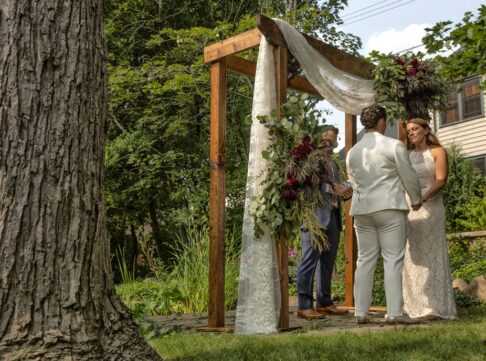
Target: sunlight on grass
{"type": "Point", "coordinates": [456, 340]}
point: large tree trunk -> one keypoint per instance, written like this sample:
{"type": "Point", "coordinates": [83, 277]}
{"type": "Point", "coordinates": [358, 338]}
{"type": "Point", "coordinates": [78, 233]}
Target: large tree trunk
{"type": "Point", "coordinates": [57, 298]}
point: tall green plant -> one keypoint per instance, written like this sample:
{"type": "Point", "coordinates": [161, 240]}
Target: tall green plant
{"type": "Point", "coordinates": [127, 274]}
{"type": "Point", "coordinates": [191, 271]}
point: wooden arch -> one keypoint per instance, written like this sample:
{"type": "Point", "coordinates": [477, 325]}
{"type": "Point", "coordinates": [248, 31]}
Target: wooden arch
{"type": "Point", "coordinates": [222, 57]}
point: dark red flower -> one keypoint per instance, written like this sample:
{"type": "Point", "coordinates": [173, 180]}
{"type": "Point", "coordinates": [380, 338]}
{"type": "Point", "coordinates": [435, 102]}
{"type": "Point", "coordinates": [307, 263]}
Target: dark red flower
{"type": "Point", "coordinates": [411, 71]}
{"type": "Point", "coordinates": [414, 63]}
{"type": "Point", "coordinates": [399, 61]}
{"type": "Point", "coordinates": [291, 183]}
{"type": "Point", "coordinates": [305, 147]}
{"type": "Point", "coordinates": [290, 195]}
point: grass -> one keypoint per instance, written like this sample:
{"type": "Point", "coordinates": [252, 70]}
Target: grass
{"type": "Point", "coordinates": [454, 340]}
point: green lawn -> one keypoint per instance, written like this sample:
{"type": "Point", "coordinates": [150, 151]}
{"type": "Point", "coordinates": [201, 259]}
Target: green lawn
{"type": "Point", "coordinates": [463, 340]}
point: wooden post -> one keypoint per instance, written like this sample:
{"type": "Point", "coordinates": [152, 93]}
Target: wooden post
{"type": "Point", "coordinates": [350, 245]}
{"type": "Point", "coordinates": [280, 60]}
{"type": "Point", "coordinates": [217, 158]}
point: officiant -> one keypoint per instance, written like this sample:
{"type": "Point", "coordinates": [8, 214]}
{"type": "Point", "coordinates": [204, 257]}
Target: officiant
{"type": "Point", "coordinates": [317, 264]}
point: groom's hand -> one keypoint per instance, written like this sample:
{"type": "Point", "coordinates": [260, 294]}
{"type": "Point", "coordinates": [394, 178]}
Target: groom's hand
{"type": "Point", "coordinates": [416, 207]}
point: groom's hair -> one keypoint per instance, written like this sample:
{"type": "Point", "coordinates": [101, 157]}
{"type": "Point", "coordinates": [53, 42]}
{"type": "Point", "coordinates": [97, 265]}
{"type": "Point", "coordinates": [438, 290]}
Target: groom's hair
{"type": "Point", "coordinates": [370, 116]}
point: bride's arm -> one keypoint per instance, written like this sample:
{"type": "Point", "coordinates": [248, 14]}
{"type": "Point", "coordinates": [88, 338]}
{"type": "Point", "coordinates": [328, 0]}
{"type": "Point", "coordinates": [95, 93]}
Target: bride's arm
{"type": "Point", "coordinates": [441, 172]}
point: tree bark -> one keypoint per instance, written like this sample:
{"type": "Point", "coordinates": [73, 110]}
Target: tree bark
{"type": "Point", "coordinates": [57, 299]}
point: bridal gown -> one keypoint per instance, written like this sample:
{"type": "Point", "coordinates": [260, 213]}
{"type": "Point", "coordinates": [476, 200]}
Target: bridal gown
{"type": "Point", "coordinates": [427, 286]}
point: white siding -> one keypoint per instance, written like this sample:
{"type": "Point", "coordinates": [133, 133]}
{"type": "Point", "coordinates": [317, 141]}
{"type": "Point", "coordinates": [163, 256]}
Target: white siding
{"type": "Point", "coordinates": [470, 136]}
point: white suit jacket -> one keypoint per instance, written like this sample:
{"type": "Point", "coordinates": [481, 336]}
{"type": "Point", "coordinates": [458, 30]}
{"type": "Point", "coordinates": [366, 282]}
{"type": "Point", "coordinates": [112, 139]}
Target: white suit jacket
{"type": "Point", "coordinates": [380, 172]}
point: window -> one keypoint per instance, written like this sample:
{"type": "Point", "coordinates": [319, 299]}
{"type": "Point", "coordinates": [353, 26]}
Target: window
{"type": "Point", "coordinates": [464, 105]}
{"type": "Point", "coordinates": [480, 163]}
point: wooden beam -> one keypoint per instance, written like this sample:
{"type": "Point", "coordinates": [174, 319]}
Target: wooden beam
{"type": "Point", "coordinates": [248, 39]}
{"type": "Point", "coordinates": [217, 159]}
{"type": "Point", "coordinates": [302, 84]}
{"type": "Point", "coordinates": [339, 58]}
{"type": "Point", "coordinates": [241, 65]}
{"type": "Point", "coordinates": [350, 244]}
{"type": "Point", "coordinates": [248, 67]}
{"type": "Point", "coordinates": [280, 60]}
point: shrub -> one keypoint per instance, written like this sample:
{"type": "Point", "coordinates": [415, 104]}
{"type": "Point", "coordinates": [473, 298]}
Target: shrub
{"type": "Point", "coordinates": [463, 199]}
{"type": "Point", "coordinates": [467, 260]}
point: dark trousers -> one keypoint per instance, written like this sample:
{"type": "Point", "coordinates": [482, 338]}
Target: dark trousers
{"type": "Point", "coordinates": [319, 264]}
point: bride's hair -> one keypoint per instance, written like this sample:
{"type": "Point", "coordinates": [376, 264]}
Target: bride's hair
{"type": "Point", "coordinates": [370, 116]}
{"type": "Point", "coordinates": [430, 137]}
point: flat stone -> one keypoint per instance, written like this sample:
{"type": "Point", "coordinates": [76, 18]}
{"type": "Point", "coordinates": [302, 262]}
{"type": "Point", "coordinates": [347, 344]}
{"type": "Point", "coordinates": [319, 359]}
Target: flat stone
{"type": "Point", "coordinates": [460, 284]}
{"type": "Point", "coordinates": [477, 288]}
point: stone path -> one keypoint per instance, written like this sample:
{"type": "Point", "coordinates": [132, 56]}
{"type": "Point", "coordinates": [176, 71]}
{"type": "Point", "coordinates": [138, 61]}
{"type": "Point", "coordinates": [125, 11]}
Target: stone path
{"type": "Point", "coordinates": [331, 324]}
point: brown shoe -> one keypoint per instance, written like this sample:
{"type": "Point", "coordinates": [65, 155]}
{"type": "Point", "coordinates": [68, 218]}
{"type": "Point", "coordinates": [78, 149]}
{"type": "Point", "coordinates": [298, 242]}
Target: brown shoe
{"type": "Point", "coordinates": [331, 310]}
{"type": "Point", "coordinates": [309, 314]}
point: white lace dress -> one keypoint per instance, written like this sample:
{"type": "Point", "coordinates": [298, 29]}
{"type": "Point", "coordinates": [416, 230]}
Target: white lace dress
{"type": "Point", "coordinates": [427, 285]}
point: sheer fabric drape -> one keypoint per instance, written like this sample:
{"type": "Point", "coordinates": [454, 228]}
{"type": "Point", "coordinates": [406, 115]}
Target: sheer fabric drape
{"type": "Point", "coordinates": [258, 306]}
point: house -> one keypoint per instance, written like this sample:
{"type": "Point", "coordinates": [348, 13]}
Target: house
{"type": "Point", "coordinates": [464, 122]}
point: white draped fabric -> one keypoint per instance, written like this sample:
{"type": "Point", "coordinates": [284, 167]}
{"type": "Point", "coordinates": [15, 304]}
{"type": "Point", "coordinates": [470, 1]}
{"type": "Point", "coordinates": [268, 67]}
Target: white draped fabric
{"type": "Point", "coordinates": [348, 93]}
{"type": "Point", "coordinates": [258, 306]}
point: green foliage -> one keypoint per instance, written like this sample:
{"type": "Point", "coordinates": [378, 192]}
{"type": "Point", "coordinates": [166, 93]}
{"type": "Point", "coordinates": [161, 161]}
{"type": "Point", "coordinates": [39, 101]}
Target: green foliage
{"type": "Point", "coordinates": [281, 207]}
{"type": "Point", "coordinates": [475, 210]}
{"type": "Point", "coordinates": [191, 271]}
{"type": "Point", "coordinates": [127, 275]}
{"type": "Point", "coordinates": [467, 260]}
{"type": "Point", "coordinates": [185, 288]}
{"type": "Point", "coordinates": [149, 329]}
{"type": "Point", "coordinates": [408, 86]}
{"type": "Point", "coordinates": [460, 48]}
{"type": "Point", "coordinates": [464, 194]}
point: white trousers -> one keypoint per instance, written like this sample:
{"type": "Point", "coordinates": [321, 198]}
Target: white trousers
{"type": "Point", "coordinates": [385, 230]}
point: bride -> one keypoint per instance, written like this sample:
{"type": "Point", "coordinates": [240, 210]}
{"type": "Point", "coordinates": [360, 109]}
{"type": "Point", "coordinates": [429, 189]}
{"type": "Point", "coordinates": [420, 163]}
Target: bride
{"type": "Point", "coordinates": [427, 286]}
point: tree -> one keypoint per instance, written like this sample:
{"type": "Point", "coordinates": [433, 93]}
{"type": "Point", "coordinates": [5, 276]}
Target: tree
{"type": "Point", "coordinates": [57, 298]}
{"type": "Point", "coordinates": [467, 40]}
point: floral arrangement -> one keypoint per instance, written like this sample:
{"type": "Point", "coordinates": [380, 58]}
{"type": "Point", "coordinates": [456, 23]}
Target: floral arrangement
{"type": "Point", "coordinates": [299, 165]}
{"type": "Point", "coordinates": [408, 86]}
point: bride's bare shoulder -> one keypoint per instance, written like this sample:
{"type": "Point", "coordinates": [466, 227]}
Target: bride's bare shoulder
{"type": "Point", "coordinates": [438, 151]}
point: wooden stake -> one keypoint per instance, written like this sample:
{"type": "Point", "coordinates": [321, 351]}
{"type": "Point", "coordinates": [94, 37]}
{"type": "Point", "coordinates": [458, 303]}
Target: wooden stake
{"type": "Point", "coordinates": [217, 156]}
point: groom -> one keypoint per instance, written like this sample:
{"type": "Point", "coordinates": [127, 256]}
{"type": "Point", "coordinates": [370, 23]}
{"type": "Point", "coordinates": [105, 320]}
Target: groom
{"type": "Point", "coordinates": [317, 263]}
{"type": "Point", "coordinates": [380, 172]}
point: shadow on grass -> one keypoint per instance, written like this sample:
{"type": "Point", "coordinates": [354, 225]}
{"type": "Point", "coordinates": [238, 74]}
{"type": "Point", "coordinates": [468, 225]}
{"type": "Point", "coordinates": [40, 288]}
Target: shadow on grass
{"type": "Point", "coordinates": [446, 341]}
